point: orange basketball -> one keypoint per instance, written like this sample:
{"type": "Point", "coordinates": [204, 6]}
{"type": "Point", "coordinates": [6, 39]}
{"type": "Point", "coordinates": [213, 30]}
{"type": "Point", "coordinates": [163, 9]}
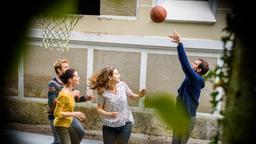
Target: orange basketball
{"type": "Point", "coordinates": [158, 14]}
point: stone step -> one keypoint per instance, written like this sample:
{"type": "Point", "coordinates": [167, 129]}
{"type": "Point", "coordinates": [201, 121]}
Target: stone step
{"type": "Point", "coordinates": [96, 136]}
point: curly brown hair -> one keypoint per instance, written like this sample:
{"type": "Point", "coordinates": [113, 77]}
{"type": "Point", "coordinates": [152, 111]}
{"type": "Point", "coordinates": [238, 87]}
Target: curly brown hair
{"type": "Point", "coordinates": [100, 80]}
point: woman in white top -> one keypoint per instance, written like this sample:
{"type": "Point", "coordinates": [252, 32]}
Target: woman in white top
{"type": "Point", "coordinates": [112, 105]}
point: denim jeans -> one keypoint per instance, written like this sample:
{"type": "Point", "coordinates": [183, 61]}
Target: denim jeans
{"type": "Point", "coordinates": [117, 135]}
{"type": "Point", "coordinates": [79, 129]}
{"type": "Point", "coordinates": [55, 135]}
{"type": "Point", "coordinates": [184, 139]}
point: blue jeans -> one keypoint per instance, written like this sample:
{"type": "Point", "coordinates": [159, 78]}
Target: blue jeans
{"type": "Point", "coordinates": [75, 124]}
{"type": "Point", "coordinates": [117, 135]}
{"type": "Point", "coordinates": [56, 139]}
{"type": "Point", "coordinates": [79, 129]}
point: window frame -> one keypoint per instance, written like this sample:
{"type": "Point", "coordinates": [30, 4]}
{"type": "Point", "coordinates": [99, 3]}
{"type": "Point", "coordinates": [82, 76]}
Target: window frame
{"type": "Point", "coordinates": [198, 11]}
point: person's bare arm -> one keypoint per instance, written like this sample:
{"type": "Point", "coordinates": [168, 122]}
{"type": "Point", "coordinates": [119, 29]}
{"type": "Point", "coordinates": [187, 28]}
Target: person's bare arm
{"type": "Point", "coordinates": [101, 111]}
{"type": "Point", "coordinates": [142, 93]}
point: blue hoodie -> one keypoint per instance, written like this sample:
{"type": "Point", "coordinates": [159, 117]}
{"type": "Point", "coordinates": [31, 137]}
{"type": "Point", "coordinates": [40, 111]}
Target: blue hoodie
{"type": "Point", "coordinates": [190, 89]}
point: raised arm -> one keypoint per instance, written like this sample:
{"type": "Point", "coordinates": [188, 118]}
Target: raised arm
{"type": "Point", "coordinates": [186, 67]}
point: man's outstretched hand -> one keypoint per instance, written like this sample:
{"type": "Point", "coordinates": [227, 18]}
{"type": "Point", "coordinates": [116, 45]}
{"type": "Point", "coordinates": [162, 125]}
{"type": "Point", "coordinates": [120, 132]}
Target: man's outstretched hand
{"type": "Point", "coordinates": [175, 37]}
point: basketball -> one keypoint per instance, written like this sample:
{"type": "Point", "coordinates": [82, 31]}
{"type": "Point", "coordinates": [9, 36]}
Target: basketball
{"type": "Point", "coordinates": [158, 14]}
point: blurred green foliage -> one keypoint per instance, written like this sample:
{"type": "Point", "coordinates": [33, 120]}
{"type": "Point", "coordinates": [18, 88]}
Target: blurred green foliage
{"type": "Point", "coordinates": [173, 115]}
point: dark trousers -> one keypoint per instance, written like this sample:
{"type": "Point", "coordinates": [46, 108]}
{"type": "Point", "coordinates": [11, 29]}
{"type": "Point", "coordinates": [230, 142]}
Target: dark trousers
{"type": "Point", "coordinates": [184, 139]}
{"type": "Point", "coordinates": [117, 135]}
{"type": "Point", "coordinates": [75, 124]}
{"type": "Point", "coordinates": [67, 135]}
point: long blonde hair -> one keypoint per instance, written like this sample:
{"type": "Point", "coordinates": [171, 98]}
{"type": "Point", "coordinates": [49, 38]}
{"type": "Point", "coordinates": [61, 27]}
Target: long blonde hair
{"type": "Point", "coordinates": [100, 80]}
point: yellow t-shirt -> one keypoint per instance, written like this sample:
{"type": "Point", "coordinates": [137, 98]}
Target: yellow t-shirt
{"type": "Point", "coordinates": [65, 103]}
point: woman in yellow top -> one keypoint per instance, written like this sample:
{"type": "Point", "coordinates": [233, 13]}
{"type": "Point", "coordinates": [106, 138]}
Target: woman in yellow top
{"type": "Point", "coordinates": [64, 111]}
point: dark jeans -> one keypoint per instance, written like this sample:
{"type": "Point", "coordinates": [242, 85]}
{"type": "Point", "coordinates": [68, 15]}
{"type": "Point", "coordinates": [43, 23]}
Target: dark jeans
{"type": "Point", "coordinates": [184, 139]}
{"type": "Point", "coordinates": [75, 124]}
{"type": "Point", "coordinates": [67, 135]}
{"type": "Point", "coordinates": [55, 135]}
{"type": "Point", "coordinates": [79, 129]}
{"type": "Point", "coordinates": [117, 135]}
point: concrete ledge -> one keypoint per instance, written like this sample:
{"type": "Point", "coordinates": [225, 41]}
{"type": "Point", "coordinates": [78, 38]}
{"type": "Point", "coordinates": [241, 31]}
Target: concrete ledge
{"type": "Point", "coordinates": [97, 135]}
{"type": "Point", "coordinates": [33, 111]}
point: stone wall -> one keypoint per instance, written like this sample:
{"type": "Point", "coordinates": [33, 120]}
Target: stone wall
{"type": "Point", "coordinates": [30, 111]}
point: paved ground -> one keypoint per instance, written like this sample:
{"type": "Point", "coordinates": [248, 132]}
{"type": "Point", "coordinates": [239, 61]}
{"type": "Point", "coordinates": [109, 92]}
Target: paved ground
{"type": "Point", "coordinates": [20, 137]}
{"type": "Point", "coordinates": [32, 138]}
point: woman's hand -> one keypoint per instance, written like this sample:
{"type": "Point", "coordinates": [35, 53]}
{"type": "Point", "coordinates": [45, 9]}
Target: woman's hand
{"type": "Point", "coordinates": [101, 111]}
{"type": "Point", "coordinates": [142, 93]}
{"type": "Point", "coordinates": [81, 116]}
{"type": "Point", "coordinates": [112, 114]}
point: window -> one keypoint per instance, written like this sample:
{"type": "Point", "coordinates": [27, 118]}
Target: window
{"type": "Point", "coordinates": [88, 7]}
{"type": "Point", "coordinates": [123, 8]}
{"type": "Point", "coordinates": [118, 7]}
{"type": "Point", "coordinates": [195, 11]}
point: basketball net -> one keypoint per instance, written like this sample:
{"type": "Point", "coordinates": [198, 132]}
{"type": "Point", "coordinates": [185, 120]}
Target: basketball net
{"type": "Point", "coordinates": [57, 30]}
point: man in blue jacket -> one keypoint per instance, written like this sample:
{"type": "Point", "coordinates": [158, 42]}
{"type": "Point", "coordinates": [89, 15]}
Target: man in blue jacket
{"type": "Point", "coordinates": [190, 89]}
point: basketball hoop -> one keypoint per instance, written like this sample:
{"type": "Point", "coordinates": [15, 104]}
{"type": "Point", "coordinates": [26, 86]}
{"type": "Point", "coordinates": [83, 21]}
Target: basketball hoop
{"type": "Point", "coordinates": [56, 31]}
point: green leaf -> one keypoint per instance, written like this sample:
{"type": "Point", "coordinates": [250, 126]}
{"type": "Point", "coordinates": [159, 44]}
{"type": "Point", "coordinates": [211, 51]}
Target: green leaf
{"type": "Point", "coordinates": [174, 116]}
{"type": "Point", "coordinates": [61, 7]}
{"type": "Point", "coordinates": [214, 94]}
